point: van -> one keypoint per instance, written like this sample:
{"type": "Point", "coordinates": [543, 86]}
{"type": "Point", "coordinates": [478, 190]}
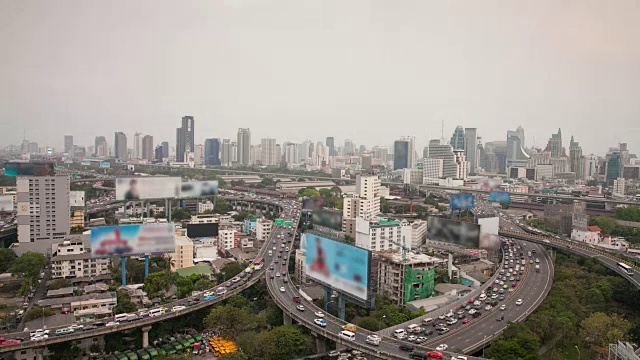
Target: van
{"type": "Point", "coordinates": [399, 333]}
{"type": "Point", "coordinates": [347, 335]}
{"type": "Point", "coordinates": [411, 327]}
{"type": "Point", "coordinates": [221, 291]}
{"type": "Point", "coordinates": [121, 317]}
{"type": "Point", "coordinates": [373, 339]}
{"type": "Point", "coordinates": [427, 321]}
{"type": "Point", "coordinates": [270, 253]}
{"type": "Point", "coordinates": [156, 312]}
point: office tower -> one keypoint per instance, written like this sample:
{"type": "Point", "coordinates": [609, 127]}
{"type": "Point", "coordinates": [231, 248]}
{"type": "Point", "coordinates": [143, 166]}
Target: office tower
{"type": "Point", "coordinates": [268, 154]}
{"type": "Point", "coordinates": [120, 146]}
{"type": "Point", "coordinates": [244, 147]}
{"type": "Point", "coordinates": [349, 147]}
{"type": "Point", "coordinates": [101, 147]}
{"type": "Point", "coordinates": [158, 154]}
{"type": "Point", "coordinates": [364, 203]}
{"type": "Point", "coordinates": [432, 171]}
{"type": "Point", "coordinates": [457, 139]}
{"type": "Point", "coordinates": [321, 155]}
{"type": "Point", "coordinates": [199, 154]}
{"type": "Point", "coordinates": [614, 166]}
{"type": "Point", "coordinates": [575, 157]}
{"type": "Point", "coordinates": [439, 149]}
{"type": "Point", "coordinates": [366, 159]}
{"type": "Point", "coordinates": [147, 148]}
{"type": "Point", "coordinates": [137, 146]}
{"type": "Point", "coordinates": [400, 154]}
{"type": "Point", "coordinates": [305, 150]}
{"type": "Point", "coordinates": [32, 148]}
{"type": "Point", "coordinates": [380, 152]}
{"type": "Point", "coordinates": [471, 148]}
{"type": "Point", "coordinates": [590, 166]}
{"type": "Point", "coordinates": [555, 145]}
{"type": "Point", "coordinates": [185, 138]}
{"type": "Point", "coordinates": [362, 149]}
{"type": "Point", "coordinates": [330, 142]}
{"type": "Point", "coordinates": [43, 208]}
{"type": "Point", "coordinates": [291, 153]}
{"type": "Point", "coordinates": [425, 152]}
{"type": "Point", "coordinates": [212, 152]}
{"type": "Point", "coordinates": [411, 150]}
{"type": "Point", "coordinates": [165, 150]}
{"type": "Point", "coordinates": [520, 132]}
{"type": "Point", "coordinates": [515, 153]}
{"type": "Point", "coordinates": [226, 155]}
{"type": "Point", "coordinates": [68, 144]}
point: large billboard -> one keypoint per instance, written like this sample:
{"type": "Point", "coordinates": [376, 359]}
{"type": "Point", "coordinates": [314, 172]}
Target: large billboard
{"type": "Point", "coordinates": [105, 164]}
{"type": "Point", "coordinates": [15, 168]}
{"type": "Point", "coordinates": [193, 189]}
{"type": "Point", "coordinates": [6, 203]}
{"type": "Point", "coordinates": [142, 188]}
{"type": "Point", "coordinates": [202, 230]}
{"type": "Point", "coordinates": [462, 201]}
{"type": "Point", "coordinates": [499, 196]}
{"type": "Point", "coordinates": [341, 266]}
{"type": "Point", "coordinates": [489, 227]}
{"type": "Point", "coordinates": [326, 218]}
{"type": "Point", "coordinates": [455, 232]}
{"type": "Point", "coordinates": [132, 240]}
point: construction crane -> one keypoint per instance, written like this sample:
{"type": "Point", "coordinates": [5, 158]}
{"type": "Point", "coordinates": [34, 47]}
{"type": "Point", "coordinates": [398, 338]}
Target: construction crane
{"type": "Point", "coordinates": [402, 247]}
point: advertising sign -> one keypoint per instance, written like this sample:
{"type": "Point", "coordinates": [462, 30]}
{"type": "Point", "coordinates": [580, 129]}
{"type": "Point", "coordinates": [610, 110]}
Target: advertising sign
{"type": "Point", "coordinates": [338, 265]}
{"type": "Point", "coordinates": [132, 240]}
{"type": "Point", "coordinates": [326, 218]}
{"type": "Point", "coordinates": [147, 188]}
{"type": "Point", "coordinates": [202, 230]}
{"type": "Point", "coordinates": [489, 228]}
{"type": "Point", "coordinates": [6, 203]}
{"type": "Point", "coordinates": [455, 232]}
{"type": "Point", "coordinates": [105, 164]}
{"type": "Point", "coordinates": [14, 168]}
{"type": "Point", "coordinates": [462, 201]}
{"type": "Point", "coordinates": [76, 198]}
{"type": "Point", "coordinates": [499, 196]}
{"type": "Point", "coordinates": [85, 163]}
{"type": "Point", "coordinates": [193, 189]}
{"type": "Point", "coordinates": [279, 222]}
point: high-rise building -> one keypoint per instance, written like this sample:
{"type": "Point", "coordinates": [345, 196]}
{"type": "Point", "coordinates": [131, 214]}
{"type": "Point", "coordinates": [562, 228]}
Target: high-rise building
{"type": "Point", "coordinates": [349, 147]}
{"type": "Point", "coordinates": [43, 207]}
{"type": "Point", "coordinates": [555, 145]}
{"type": "Point", "coordinates": [462, 167]}
{"type": "Point", "coordinates": [614, 166]}
{"type": "Point", "coordinates": [244, 146]}
{"type": "Point", "coordinates": [212, 152]}
{"type": "Point", "coordinates": [364, 203]}
{"type": "Point", "coordinates": [147, 148]}
{"type": "Point", "coordinates": [457, 139]}
{"type": "Point", "coordinates": [321, 155]}
{"type": "Point", "coordinates": [520, 132]}
{"type": "Point", "coordinates": [68, 144]}
{"type": "Point", "coordinates": [32, 148]}
{"type": "Point", "coordinates": [439, 149]}
{"type": "Point", "coordinates": [268, 152]}
{"type": "Point", "coordinates": [516, 155]}
{"type": "Point", "coordinates": [471, 148]}
{"type": "Point", "coordinates": [291, 153]}
{"type": "Point", "coordinates": [165, 150]}
{"type": "Point", "coordinates": [575, 157]}
{"type": "Point", "coordinates": [380, 152]}
{"type": "Point", "coordinates": [198, 154]}
{"type": "Point", "coordinates": [101, 147]}
{"type": "Point", "coordinates": [425, 152]}
{"type": "Point", "coordinates": [305, 150]}
{"type": "Point", "coordinates": [137, 146]}
{"type": "Point", "coordinates": [234, 153]}
{"type": "Point", "coordinates": [432, 171]}
{"type": "Point", "coordinates": [401, 154]}
{"type": "Point", "coordinates": [226, 153]}
{"type": "Point", "coordinates": [590, 166]}
{"type": "Point", "coordinates": [120, 146]}
{"type": "Point", "coordinates": [255, 155]}
{"type": "Point", "coordinates": [158, 153]}
{"type": "Point", "coordinates": [331, 145]}
{"type": "Point", "coordinates": [185, 138]}
{"type": "Point", "coordinates": [619, 186]}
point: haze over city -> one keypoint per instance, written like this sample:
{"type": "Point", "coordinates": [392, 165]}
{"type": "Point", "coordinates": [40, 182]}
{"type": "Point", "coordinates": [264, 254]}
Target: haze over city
{"type": "Point", "coordinates": [368, 71]}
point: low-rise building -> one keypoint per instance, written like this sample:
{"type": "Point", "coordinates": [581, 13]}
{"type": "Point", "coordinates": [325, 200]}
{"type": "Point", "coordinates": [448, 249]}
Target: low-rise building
{"type": "Point", "coordinates": [85, 307]}
{"type": "Point", "coordinates": [205, 206]}
{"type": "Point", "coordinates": [263, 229]}
{"type": "Point", "coordinates": [73, 259]}
{"type": "Point", "coordinates": [418, 233]}
{"type": "Point", "coordinates": [227, 239]}
{"type": "Point", "coordinates": [205, 219]}
{"type": "Point", "coordinates": [382, 234]}
{"type": "Point", "coordinates": [183, 256]}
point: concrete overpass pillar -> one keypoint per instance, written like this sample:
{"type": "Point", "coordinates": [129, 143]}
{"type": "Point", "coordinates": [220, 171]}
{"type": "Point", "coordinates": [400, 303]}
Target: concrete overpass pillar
{"type": "Point", "coordinates": [321, 345]}
{"type": "Point", "coordinates": [287, 319]}
{"type": "Point", "coordinates": [145, 336]}
{"type": "Point", "coordinates": [39, 353]}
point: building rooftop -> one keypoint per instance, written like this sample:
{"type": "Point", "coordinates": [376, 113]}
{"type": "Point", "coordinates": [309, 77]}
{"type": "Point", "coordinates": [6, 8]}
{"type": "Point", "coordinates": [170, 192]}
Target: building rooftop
{"type": "Point", "coordinates": [72, 299]}
{"type": "Point", "coordinates": [395, 256]}
{"type": "Point", "coordinates": [594, 228]}
{"type": "Point", "coordinates": [183, 240]}
{"type": "Point", "coordinates": [72, 257]}
{"type": "Point", "coordinates": [198, 269]}
{"type": "Point", "coordinates": [445, 288]}
{"type": "Point", "coordinates": [387, 222]}
{"type": "Point", "coordinates": [61, 292]}
{"type": "Point", "coordinates": [95, 288]}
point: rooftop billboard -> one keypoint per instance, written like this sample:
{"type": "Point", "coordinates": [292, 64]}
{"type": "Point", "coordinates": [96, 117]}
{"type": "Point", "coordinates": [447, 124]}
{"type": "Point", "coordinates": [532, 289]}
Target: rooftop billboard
{"type": "Point", "coordinates": [499, 196]}
{"type": "Point", "coordinates": [193, 189]}
{"type": "Point", "coordinates": [132, 240]}
{"type": "Point", "coordinates": [489, 228]}
{"type": "Point", "coordinates": [142, 188]}
{"type": "Point", "coordinates": [455, 232]}
{"type": "Point", "coordinates": [326, 218]}
{"type": "Point", "coordinates": [462, 201]}
{"type": "Point", "coordinates": [202, 230]}
{"type": "Point", "coordinates": [15, 168]}
{"type": "Point", "coordinates": [341, 266]}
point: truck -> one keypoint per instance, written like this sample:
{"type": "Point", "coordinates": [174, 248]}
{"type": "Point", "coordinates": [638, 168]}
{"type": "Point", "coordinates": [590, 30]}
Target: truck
{"type": "Point", "coordinates": [350, 327]}
{"type": "Point", "coordinates": [537, 267]}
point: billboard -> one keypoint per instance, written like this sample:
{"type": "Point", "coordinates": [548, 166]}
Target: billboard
{"type": "Point", "coordinates": [132, 240]}
{"type": "Point", "coordinates": [193, 189]}
{"type": "Point", "coordinates": [338, 265]}
{"type": "Point", "coordinates": [455, 232]}
{"type": "Point", "coordinates": [15, 168]}
{"type": "Point", "coordinates": [76, 198]}
{"type": "Point", "coordinates": [147, 188]}
{"type": "Point", "coordinates": [499, 196]}
{"type": "Point", "coordinates": [489, 228]}
{"type": "Point", "coordinates": [105, 164]}
{"type": "Point", "coordinates": [462, 201]}
{"type": "Point", "coordinates": [326, 218]}
{"type": "Point", "coordinates": [202, 230]}
{"type": "Point", "coordinates": [6, 203]}
{"type": "Point", "coordinates": [312, 204]}
{"type": "Point", "coordinates": [85, 163]}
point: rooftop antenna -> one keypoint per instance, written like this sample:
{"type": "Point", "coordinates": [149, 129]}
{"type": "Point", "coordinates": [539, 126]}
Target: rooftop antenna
{"type": "Point", "coordinates": [442, 130]}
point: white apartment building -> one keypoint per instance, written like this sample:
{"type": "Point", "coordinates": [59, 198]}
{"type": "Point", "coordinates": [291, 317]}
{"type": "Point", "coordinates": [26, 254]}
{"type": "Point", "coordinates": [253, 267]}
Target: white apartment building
{"type": "Point", "coordinates": [268, 152]}
{"type": "Point", "coordinates": [544, 172]}
{"type": "Point", "coordinates": [364, 203]}
{"type": "Point", "coordinates": [418, 233]}
{"type": "Point", "coordinates": [43, 207]}
{"type": "Point", "coordinates": [73, 259]}
{"type": "Point", "coordinates": [413, 176]}
{"type": "Point", "coordinates": [461, 164]}
{"type": "Point", "coordinates": [205, 219]}
{"type": "Point", "coordinates": [432, 171]}
{"type": "Point", "coordinates": [183, 255]}
{"type": "Point", "coordinates": [227, 239]}
{"type": "Point", "coordinates": [619, 186]}
{"type": "Point", "coordinates": [321, 155]}
{"type": "Point", "coordinates": [204, 206]}
{"type": "Point", "coordinates": [300, 273]}
{"type": "Point", "coordinates": [263, 229]}
{"type": "Point", "coordinates": [383, 234]}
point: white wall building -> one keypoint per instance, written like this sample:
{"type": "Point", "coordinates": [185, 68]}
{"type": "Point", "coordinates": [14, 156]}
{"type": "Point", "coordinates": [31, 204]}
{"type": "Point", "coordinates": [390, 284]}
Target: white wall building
{"type": "Point", "coordinates": [432, 171]}
{"type": "Point", "coordinates": [227, 239]}
{"type": "Point", "coordinates": [382, 234]}
{"type": "Point", "coordinates": [205, 206]}
{"type": "Point", "coordinates": [413, 176]}
{"type": "Point", "coordinates": [73, 259]}
{"type": "Point", "coordinates": [365, 203]}
{"type": "Point", "coordinates": [269, 153]}
{"type": "Point", "coordinates": [461, 164]}
{"type": "Point", "coordinates": [619, 186]}
{"type": "Point", "coordinates": [263, 229]}
{"type": "Point", "coordinates": [418, 233]}
{"type": "Point", "coordinates": [321, 155]}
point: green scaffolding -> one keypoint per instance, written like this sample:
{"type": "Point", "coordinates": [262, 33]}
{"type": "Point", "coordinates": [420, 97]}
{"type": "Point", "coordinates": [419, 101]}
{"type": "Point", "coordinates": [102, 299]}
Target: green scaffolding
{"type": "Point", "coordinates": [418, 284]}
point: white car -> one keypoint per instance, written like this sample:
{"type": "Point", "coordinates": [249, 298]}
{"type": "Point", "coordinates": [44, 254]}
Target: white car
{"type": "Point", "coordinates": [519, 302]}
{"type": "Point", "coordinates": [300, 307]}
{"type": "Point", "coordinates": [39, 337]}
{"type": "Point", "coordinates": [76, 327]}
{"type": "Point", "coordinates": [178, 308]}
{"type": "Point", "coordinates": [320, 322]}
{"type": "Point", "coordinates": [488, 307]}
{"type": "Point", "coordinates": [319, 314]}
{"type": "Point", "coordinates": [442, 347]}
{"type": "Point", "coordinates": [449, 314]}
{"type": "Point", "coordinates": [112, 323]}
{"type": "Point", "coordinates": [282, 289]}
{"type": "Point", "coordinates": [472, 311]}
{"type": "Point", "coordinates": [503, 307]}
{"type": "Point", "coordinates": [412, 338]}
{"type": "Point", "coordinates": [277, 274]}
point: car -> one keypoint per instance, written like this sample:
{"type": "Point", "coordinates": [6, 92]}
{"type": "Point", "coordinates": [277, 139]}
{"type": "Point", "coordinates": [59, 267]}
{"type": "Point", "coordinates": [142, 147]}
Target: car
{"type": "Point", "coordinates": [420, 339]}
{"type": "Point", "coordinates": [442, 347]}
{"type": "Point", "coordinates": [465, 321]}
{"type": "Point", "coordinates": [477, 314]}
{"type": "Point", "coordinates": [334, 353]}
{"type": "Point", "coordinates": [284, 273]}
{"type": "Point", "coordinates": [472, 311]}
{"type": "Point", "coordinates": [282, 289]}
{"type": "Point", "coordinates": [320, 322]}
{"type": "Point", "coordinates": [441, 317]}
{"type": "Point", "coordinates": [435, 355]}
{"type": "Point", "coordinates": [412, 338]}
{"type": "Point", "coordinates": [452, 321]}
{"type": "Point", "coordinates": [519, 302]}
{"type": "Point", "coordinates": [319, 314]}
{"type": "Point", "coordinates": [178, 308]}
{"type": "Point", "coordinates": [277, 274]}
{"type": "Point", "coordinates": [112, 323]}
{"type": "Point", "coordinates": [297, 300]}
{"type": "Point", "coordinates": [76, 327]}
{"type": "Point", "coordinates": [506, 286]}
{"type": "Point", "coordinates": [514, 284]}
{"type": "Point", "coordinates": [503, 307]}
{"type": "Point", "coordinates": [373, 339]}
{"type": "Point", "coordinates": [500, 318]}
{"type": "Point", "coordinates": [443, 330]}
{"type": "Point", "coordinates": [449, 314]}
{"type": "Point", "coordinates": [300, 307]}
{"type": "Point", "coordinates": [488, 307]}
{"type": "Point", "coordinates": [406, 347]}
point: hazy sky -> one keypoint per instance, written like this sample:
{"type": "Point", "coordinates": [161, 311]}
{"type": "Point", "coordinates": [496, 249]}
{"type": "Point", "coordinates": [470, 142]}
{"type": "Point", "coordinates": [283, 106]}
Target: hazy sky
{"type": "Point", "coordinates": [367, 70]}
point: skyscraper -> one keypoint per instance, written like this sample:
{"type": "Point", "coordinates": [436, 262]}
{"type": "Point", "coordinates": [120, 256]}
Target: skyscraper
{"type": "Point", "coordinates": [101, 147]}
{"type": "Point", "coordinates": [226, 153]}
{"type": "Point", "coordinates": [147, 148]}
{"type": "Point", "coordinates": [471, 148]}
{"type": "Point", "coordinates": [516, 155]}
{"type": "Point", "coordinates": [349, 147]}
{"type": "Point", "coordinates": [439, 149]}
{"type": "Point", "coordinates": [555, 145]}
{"type": "Point", "coordinates": [268, 152]}
{"type": "Point", "coordinates": [185, 138]}
{"type": "Point", "coordinates": [400, 154]}
{"type": "Point", "coordinates": [575, 157]}
{"type": "Point", "coordinates": [137, 146]}
{"type": "Point", "coordinates": [520, 132]}
{"type": "Point", "coordinates": [158, 153]}
{"type": "Point", "coordinates": [244, 146]}
{"type": "Point", "coordinates": [212, 152]}
{"type": "Point", "coordinates": [457, 139]}
{"type": "Point", "coordinates": [614, 166]}
{"type": "Point", "coordinates": [68, 144]}
{"type": "Point", "coordinates": [165, 149]}
{"type": "Point", "coordinates": [41, 195]}
{"type": "Point", "coordinates": [331, 145]}
{"type": "Point", "coordinates": [120, 146]}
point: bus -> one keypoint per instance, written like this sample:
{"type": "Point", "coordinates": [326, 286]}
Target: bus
{"type": "Point", "coordinates": [626, 268]}
{"type": "Point", "coordinates": [258, 263]}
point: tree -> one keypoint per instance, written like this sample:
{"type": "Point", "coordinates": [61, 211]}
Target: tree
{"type": "Point", "coordinates": [370, 323]}
{"type": "Point", "coordinates": [180, 214]}
{"type": "Point", "coordinates": [230, 270]}
{"type": "Point", "coordinates": [174, 357]}
{"type": "Point", "coordinates": [222, 205]}
{"type": "Point", "coordinates": [159, 281]}
{"type": "Point", "coordinates": [124, 304]}
{"type": "Point", "coordinates": [232, 321]}
{"type": "Point", "coordinates": [600, 330]}
{"type": "Point", "coordinates": [59, 284]}
{"type": "Point", "coordinates": [202, 284]}
{"type": "Point", "coordinates": [37, 312]}
{"type": "Point", "coordinates": [28, 265]}
{"type": "Point", "coordinates": [349, 240]}
{"type": "Point", "coordinates": [7, 258]}
{"type": "Point", "coordinates": [309, 192]}
{"type": "Point", "coordinates": [78, 229]}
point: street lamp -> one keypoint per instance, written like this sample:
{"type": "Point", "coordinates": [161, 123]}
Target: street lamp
{"type": "Point", "coordinates": [577, 348]}
{"type": "Point", "coordinates": [483, 344]}
{"type": "Point", "coordinates": [380, 322]}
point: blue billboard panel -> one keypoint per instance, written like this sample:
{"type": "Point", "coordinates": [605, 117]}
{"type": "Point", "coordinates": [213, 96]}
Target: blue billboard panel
{"type": "Point", "coordinates": [462, 201]}
{"type": "Point", "coordinates": [499, 196]}
{"type": "Point", "coordinates": [132, 240]}
{"type": "Point", "coordinates": [338, 265]}
{"type": "Point", "coordinates": [19, 168]}
{"type": "Point", "coordinates": [105, 164]}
